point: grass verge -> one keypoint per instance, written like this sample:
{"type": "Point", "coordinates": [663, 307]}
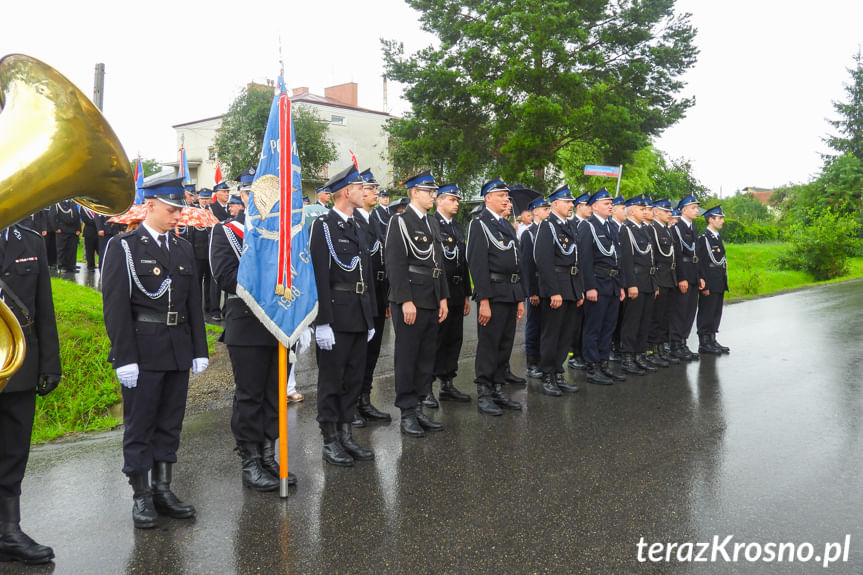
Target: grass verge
{"type": "Point", "coordinates": [89, 386]}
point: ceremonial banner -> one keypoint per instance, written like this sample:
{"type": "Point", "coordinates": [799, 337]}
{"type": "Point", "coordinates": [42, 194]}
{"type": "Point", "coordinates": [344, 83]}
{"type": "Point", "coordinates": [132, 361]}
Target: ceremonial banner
{"type": "Point", "coordinates": [606, 171]}
{"type": "Point", "coordinates": [276, 278]}
{"type": "Point", "coordinates": [139, 181]}
{"type": "Point", "coordinates": [184, 168]}
{"type": "Point", "coordinates": [218, 176]}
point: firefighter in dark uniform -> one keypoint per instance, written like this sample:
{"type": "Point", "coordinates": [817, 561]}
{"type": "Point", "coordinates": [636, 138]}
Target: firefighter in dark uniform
{"type": "Point", "coordinates": [451, 331]}
{"type": "Point", "coordinates": [254, 354]}
{"type": "Point", "coordinates": [91, 237]}
{"type": "Point", "coordinates": [418, 300]}
{"type": "Point", "coordinates": [105, 230]}
{"type": "Point", "coordinates": [68, 221]}
{"type": "Point", "coordinates": [684, 299]}
{"type": "Point", "coordinates": [363, 217]}
{"type": "Point", "coordinates": [380, 216]}
{"type": "Point", "coordinates": [639, 267]}
{"type": "Point", "coordinates": [493, 260]}
{"type": "Point", "coordinates": [666, 281]}
{"type": "Point", "coordinates": [199, 237]}
{"type": "Point", "coordinates": [345, 321]}
{"type": "Point", "coordinates": [713, 267]}
{"type": "Point", "coordinates": [219, 203]}
{"type": "Point", "coordinates": [540, 209]}
{"type": "Point", "coordinates": [603, 284]}
{"type": "Point", "coordinates": [576, 360]}
{"type": "Point", "coordinates": [154, 320]}
{"type": "Point", "coordinates": [26, 289]}
{"type": "Point", "coordinates": [561, 289]}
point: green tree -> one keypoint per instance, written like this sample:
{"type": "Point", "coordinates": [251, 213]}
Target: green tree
{"type": "Point", "coordinates": [513, 84]}
{"type": "Point", "coordinates": [239, 138]}
{"type": "Point", "coordinates": [850, 122]}
{"type": "Point", "coordinates": [673, 178]}
{"type": "Point", "coordinates": [315, 148]}
{"type": "Point", "coordinates": [151, 166]}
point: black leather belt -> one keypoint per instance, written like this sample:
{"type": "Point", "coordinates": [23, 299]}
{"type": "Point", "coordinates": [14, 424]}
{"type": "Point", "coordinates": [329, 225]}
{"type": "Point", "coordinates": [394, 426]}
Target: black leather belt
{"type": "Point", "coordinates": [650, 269]}
{"type": "Point", "coordinates": [455, 280]}
{"type": "Point", "coordinates": [692, 260]}
{"type": "Point", "coordinates": [723, 265]}
{"type": "Point", "coordinates": [610, 272]}
{"type": "Point", "coordinates": [357, 288]}
{"type": "Point", "coordinates": [505, 278]}
{"type": "Point", "coordinates": [167, 318]}
{"type": "Point", "coordinates": [571, 270]}
{"type": "Point", "coordinates": [422, 270]}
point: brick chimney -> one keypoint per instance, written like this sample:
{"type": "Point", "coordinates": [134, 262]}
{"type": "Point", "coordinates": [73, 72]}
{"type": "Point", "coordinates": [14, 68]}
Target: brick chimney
{"type": "Point", "coordinates": [300, 91]}
{"type": "Point", "coordinates": [344, 93]}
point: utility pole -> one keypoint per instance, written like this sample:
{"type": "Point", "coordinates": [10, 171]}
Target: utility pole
{"type": "Point", "coordinates": [99, 86]}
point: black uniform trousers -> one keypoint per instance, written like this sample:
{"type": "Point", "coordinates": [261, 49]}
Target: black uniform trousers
{"type": "Point", "coordinates": [494, 343]}
{"type": "Point", "coordinates": [709, 312]}
{"type": "Point", "coordinates": [661, 313]}
{"type": "Point", "coordinates": [255, 416]}
{"type": "Point", "coordinates": [17, 410]}
{"type": "Point", "coordinates": [600, 318]}
{"type": "Point", "coordinates": [67, 250]}
{"type": "Point", "coordinates": [340, 377]}
{"type": "Point", "coordinates": [532, 329]}
{"type": "Point", "coordinates": [450, 335]}
{"type": "Point", "coordinates": [683, 306]}
{"type": "Point", "coordinates": [205, 278]}
{"type": "Point", "coordinates": [577, 330]}
{"type": "Point", "coordinates": [556, 334]}
{"type": "Point", "coordinates": [51, 247]}
{"type": "Point", "coordinates": [635, 326]}
{"type": "Point", "coordinates": [413, 357]}
{"type": "Point", "coordinates": [91, 245]}
{"type": "Point", "coordinates": [373, 352]}
{"type": "Point", "coordinates": [153, 418]}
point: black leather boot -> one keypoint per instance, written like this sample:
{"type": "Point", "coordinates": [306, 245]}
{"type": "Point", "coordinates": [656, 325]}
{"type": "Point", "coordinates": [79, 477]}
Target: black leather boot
{"type": "Point", "coordinates": [15, 545]}
{"type": "Point", "coordinates": [705, 345]}
{"type": "Point", "coordinates": [485, 402]}
{"type": "Point", "coordinates": [164, 499]}
{"type": "Point", "coordinates": [144, 514]}
{"type": "Point", "coordinates": [448, 392]}
{"type": "Point", "coordinates": [430, 400]}
{"type": "Point", "coordinates": [608, 371]}
{"type": "Point", "coordinates": [678, 352]}
{"type": "Point", "coordinates": [346, 437]}
{"type": "Point", "coordinates": [629, 366]}
{"type": "Point", "coordinates": [410, 426]}
{"type": "Point", "coordinates": [370, 412]}
{"type": "Point", "coordinates": [254, 475]}
{"type": "Point", "coordinates": [654, 358]}
{"type": "Point", "coordinates": [359, 420]}
{"type": "Point", "coordinates": [664, 353]}
{"type": "Point", "coordinates": [334, 452]}
{"type": "Point", "coordinates": [513, 379]}
{"type": "Point", "coordinates": [596, 376]}
{"type": "Point", "coordinates": [690, 355]}
{"type": "Point", "coordinates": [718, 345]}
{"type": "Point", "coordinates": [501, 400]}
{"type": "Point", "coordinates": [549, 385]}
{"type": "Point", "coordinates": [425, 422]}
{"type": "Point", "coordinates": [641, 361]}
{"type": "Point", "coordinates": [576, 362]}
{"type": "Point", "coordinates": [563, 384]}
{"type": "Point", "coordinates": [268, 461]}
{"type": "Point", "coordinates": [532, 367]}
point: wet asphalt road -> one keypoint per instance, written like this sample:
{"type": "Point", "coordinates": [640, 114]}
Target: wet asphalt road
{"type": "Point", "coordinates": [764, 444]}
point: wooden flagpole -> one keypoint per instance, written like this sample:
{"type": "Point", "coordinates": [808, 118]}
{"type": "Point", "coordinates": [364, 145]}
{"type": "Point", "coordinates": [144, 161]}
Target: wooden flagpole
{"type": "Point", "coordinates": [283, 421]}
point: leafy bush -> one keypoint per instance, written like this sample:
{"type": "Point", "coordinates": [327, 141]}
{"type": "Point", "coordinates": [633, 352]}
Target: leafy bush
{"type": "Point", "coordinates": [738, 232]}
{"type": "Point", "coordinates": [821, 243]}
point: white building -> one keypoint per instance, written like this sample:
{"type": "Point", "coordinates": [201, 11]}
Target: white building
{"type": "Point", "coordinates": [350, 127]}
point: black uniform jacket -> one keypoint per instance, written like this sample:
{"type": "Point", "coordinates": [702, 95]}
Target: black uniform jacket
{"type": "Point", "coordinates": [494, 262]}
{"type": "Point", "coordinates": [380, 219]}
{"type": "Point", "coordinates": [637, 266]}
{"type": "Point", "coordinates": [529, 277]}
{"type": "Point", "coordinates": [153, 346]}
{"type": "Point", "coordinates": [242, 327]}
{"type": "Point", "coordinates": [711, 262]}
{"type": "Point", "coordinates": [376, 257]}
{"type": "Point", "coordinates": [422, 281]}
{"type": "Point", "coordinates": [558, 272]}
{"type": "Point", "coordinates": [454, 258]}
{"type": "Point", "coordinates": [110, 228]}
{"type": "Point", "coordinates": [346, 299]}
{"type": "Point", "coordinates": [601, 272]}
{"type": "Point", "coordinates": [221, 212]}
{"type": "Point", "coordinates": [88, 217]}
{"type": "Point", "coordinates": [66, 217]}
{"type": "Point", "coordinates": [663, 243]}
{"type": "Point", "coordinates": [685, 238]}
{"type": "Point", "coordinates": [25, 270]}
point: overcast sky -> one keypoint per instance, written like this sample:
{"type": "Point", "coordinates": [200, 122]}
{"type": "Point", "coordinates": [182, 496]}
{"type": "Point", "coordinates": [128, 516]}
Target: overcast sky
{"type": "Point", "coordinates": [764, 81]}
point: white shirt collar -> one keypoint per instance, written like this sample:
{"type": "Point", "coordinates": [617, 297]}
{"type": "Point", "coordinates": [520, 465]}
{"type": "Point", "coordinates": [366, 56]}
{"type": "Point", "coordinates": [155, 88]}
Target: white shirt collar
{"type": "Point", "coordinates": [688, 223]}
{"type": "Point", "coordinates": [153, 233]}
{"type": "Point", "coordinates": [419, 214]}
{"type": "Point", "coordinates": [363, 212]}
{"type": "Point", "coordinates": [600, 218]}
{"type": "Point", "coordinates": [341, 214]}
{"type": "Point", "coordinates": [445, 219]}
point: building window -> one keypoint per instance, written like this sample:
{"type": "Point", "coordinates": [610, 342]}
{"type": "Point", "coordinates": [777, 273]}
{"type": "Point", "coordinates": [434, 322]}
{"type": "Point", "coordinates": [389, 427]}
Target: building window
{"type": "Point", "coordinates": [338, 120]}
{"type": "Point", "coordinates": [211, 153]}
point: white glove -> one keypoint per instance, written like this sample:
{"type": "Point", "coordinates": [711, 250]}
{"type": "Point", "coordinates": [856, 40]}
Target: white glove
{"type": "Point", "coordinates": [370, 335]}
{"type": "Point", "coordinates": [325, 337]}
{"type": "Point", "coordinates": [305, 340]}
{"type": "Point", "coordinates": [199, 364]}
{"type": "Point", "coordinates": [128, 375]}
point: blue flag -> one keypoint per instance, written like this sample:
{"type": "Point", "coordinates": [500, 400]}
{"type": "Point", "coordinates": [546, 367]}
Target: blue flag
{"type": "Point", "coordinates": [139, 181]}
{"type": "Point", "coordinates": [285, 303]}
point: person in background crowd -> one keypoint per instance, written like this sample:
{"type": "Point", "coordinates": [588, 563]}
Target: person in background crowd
{"type": "Point", "coordinates": [540, 209]}
{"type": "Point", "coordinates": [713, 267]}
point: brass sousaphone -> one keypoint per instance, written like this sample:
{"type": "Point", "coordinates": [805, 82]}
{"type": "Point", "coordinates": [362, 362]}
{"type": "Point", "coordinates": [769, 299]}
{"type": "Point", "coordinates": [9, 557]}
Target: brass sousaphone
{"type": "Point", "coordinates": [54, 145]}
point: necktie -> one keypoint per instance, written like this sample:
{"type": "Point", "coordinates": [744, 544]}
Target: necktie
{"type": "Point", "coordinates": [163, 243]}
{"type": "Point", "coordinates": [607, 229]}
